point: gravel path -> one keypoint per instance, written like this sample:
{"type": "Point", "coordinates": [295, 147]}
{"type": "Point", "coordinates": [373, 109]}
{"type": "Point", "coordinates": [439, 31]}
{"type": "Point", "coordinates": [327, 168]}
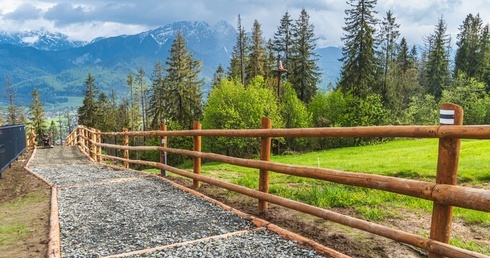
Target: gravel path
{"type": "Point", "coordinates": [106, 212]}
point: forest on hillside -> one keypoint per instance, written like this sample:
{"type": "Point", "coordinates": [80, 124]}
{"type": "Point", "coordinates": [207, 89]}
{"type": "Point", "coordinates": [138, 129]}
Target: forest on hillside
{"type": "Point", "coordinates": [384, 81]}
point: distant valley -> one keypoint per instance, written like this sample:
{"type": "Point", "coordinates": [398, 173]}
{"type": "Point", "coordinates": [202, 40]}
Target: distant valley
{"type": "Point", "coordinates": [58, 67]}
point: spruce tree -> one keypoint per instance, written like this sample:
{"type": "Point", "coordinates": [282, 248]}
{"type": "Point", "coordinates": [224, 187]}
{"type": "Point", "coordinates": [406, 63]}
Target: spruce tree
{"type": "Point", "coordinates": [185, 98]}
{"type": "Point", "coordinates": [388, 36]}
{"type": "Point", "coordinates": [134, 113]}
{"type": "Point", "coordinates": [283, 39]}
{"type": "Point", "coordinates": [305, 74]}
{"type": "Point", "coordinates": [257, 56]}
{"type": "Point", "coordinates": [437, 75]}
{"type": "Point", "coordinates": [218, 75]}
{"type": "Point", "coordinates": [53, 131]}
{"type": "Point", "coordinates": [88, 112]}
{"type": "Point", "coordinates": [158, 101]}
{"type": "Point", "coordinates": [14, 112]}
{"type": "Point", "coordinates": [238, 59]}
{"type": "Point", "coordinates": [484, 71]}
{"type": "Point", "coordinates": [140, 82]}
{"type": "Point", "coordinates": [468, 56]}
{"type": "Point", "coordinates": [37, 115]}
{"type": "Point", "coordinates": [358, 53]}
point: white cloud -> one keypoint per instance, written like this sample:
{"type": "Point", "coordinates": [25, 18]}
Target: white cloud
{"type": "Point", "coordinates": [87, 19]}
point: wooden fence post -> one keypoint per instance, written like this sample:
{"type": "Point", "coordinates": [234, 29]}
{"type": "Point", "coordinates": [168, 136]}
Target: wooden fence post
{"type": "Point", "coordinates": [93, 147]}
{"type": "Point", "coordinates": [447, 169]}
{"type": "Point", "coordinates": [80, 132]}
{"type": "Point", "coordinates": [163, 154]}
{"type": "Point", "coordinates": [126, 152]}
{"type": "Point", "coordinates": [197, 161]}
{"type": "Point", "coordinates": [99, 149]}
{"type": "Point", "coordinates": [265, 154]}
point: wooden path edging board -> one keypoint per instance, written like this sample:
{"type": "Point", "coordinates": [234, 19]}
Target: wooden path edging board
{"type": "Point", "coordinates": [54, 248]}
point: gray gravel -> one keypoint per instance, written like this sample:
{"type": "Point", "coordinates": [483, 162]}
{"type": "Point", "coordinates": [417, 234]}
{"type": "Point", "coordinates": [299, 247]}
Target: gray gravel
{"type": "Point", "coordinates": [257, 244]}
{"type": "Point", "coordinates": [104, 212]}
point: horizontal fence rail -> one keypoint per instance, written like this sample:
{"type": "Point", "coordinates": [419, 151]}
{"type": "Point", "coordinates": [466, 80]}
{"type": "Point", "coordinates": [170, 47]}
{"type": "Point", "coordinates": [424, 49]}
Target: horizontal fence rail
{"type": "Point", "coordinates": [444, 192]}
{"type": "Point", "coordinates": [12, 144]}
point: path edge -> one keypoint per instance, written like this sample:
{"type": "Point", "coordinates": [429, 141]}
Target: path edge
{"type": "Point", "coordinates": [260, 223]}
{"type": "Point", "coordinates": [54, 248]}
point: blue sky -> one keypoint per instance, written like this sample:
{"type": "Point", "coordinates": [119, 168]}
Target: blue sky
{"type": "Point", "coordinates": [87, 19]}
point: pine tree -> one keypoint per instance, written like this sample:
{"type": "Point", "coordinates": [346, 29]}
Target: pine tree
{"type": "Point", "coordinates": [184, 84]}
{"type": "Point", "coordinates": [283, 39]}
{"type": "Point", "coordinates": [88, 112]}
{"type": "Point", "coordinates": [305, 74]}
{"type": "Point", "coordinates": [159, 99]}
{"type": "Point", "coordinates": [37, 115]}
{"type": "Point", "coordinates": [257, 56]}
{"type": "Point", "coordinates": [437, 75]}
{"type": "Point", "coordinates": [238, 59]}
{"type": "Point", "coordinates": [388, 36]}
{"type": "Point", "coordinates": [359, 62]}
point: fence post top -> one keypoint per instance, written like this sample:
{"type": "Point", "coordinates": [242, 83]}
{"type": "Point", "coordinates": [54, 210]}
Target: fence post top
{"type": "Point", "coordinates": [451, 114]}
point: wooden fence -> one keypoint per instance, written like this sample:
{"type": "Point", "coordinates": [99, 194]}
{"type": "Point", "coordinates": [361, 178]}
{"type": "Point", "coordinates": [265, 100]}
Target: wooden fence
{"type": "Point", "coordinates": [443, 192]}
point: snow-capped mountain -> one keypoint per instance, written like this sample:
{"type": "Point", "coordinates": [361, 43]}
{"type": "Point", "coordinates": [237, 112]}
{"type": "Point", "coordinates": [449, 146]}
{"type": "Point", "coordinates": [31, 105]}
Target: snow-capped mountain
{"type": "Point", "coordinates": [40, 39]}
{"type": "Point", "coordinates": [57, 67]}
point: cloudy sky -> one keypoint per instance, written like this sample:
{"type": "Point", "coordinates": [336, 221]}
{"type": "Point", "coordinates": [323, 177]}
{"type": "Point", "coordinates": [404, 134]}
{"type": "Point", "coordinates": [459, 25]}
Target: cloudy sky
{"type": "Point", "coordinates": [87, 19]}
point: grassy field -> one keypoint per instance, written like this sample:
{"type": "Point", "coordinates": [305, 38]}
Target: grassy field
{"type": "Point", "coordinates": [414, 159]}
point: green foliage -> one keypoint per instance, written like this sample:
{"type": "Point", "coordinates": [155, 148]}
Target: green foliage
{"type": "Point", "coordinates": [423, 110]}
{"type": "Point", "coordinates": [295, 115]}
{"type": "Point", "coordinates": [232, 106]}
{"type": "Point", "coordinates": [471, 96]}
{"type": "Point", "coordinates": [339, 109]}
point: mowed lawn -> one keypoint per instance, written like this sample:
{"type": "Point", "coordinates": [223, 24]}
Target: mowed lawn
{"type": "Point", "coordinates": [414, 159]}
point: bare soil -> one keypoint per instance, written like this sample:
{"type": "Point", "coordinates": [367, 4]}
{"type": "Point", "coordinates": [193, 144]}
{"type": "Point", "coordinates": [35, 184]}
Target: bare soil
{"type": "Point", "coordinates": [349, 241]}
{"type": "Point", "coordinates": [24, 212]}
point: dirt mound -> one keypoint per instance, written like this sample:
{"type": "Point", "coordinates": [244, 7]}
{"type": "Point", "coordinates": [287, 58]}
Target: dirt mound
{"type": "Point", "coordinates": [24, 212]}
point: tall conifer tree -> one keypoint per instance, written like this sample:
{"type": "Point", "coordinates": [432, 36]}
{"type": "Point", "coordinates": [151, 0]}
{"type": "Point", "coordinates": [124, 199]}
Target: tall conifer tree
{"type": "Point", "coordinates": [159, 98]}
{"type": "Point", "coordinates": [257, 56]}
{"type": "Point", "coordinates": [184, 85]}
{"type": "Point", "coordinates": [283, 39]}
{"type": "Point", "coordinates": [359, 61]}
{"type": "Point", "coordinates": [88, 112]}
{"type": "Point", "coordinates": [437, 75]}
{"type": "Point", "coordinates": [304, 73]}
{"type": "Point", "coordinates": [388, 38]}
{"type": "Point", "coordinates": [238, 59]}
{"type": "Point", "coordinates": [37, 115]}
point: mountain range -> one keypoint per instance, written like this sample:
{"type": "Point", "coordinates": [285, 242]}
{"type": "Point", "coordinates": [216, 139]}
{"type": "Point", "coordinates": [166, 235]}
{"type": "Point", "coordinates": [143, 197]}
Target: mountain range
{"type": "Point", "coordinates": [58, 67]}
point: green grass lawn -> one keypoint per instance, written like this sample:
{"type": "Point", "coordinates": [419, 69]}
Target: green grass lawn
{"type": "Point", "coordinates": [414, 159]}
